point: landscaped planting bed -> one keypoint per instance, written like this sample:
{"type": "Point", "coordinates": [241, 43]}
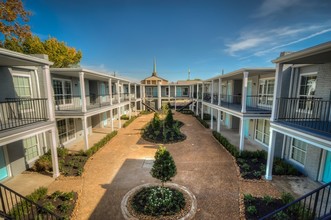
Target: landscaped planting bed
{"type": "Point", "coordinates": [252, 164]}
{"type": "Point", "coordinates": [128, 122]}
{"type": "Point", "coordinates": [60, 203]}
{"type": "Point", "coordinates": [163, 131]}
{"type": "Point", "coordinates": [70, 164]}
{"type": "Point", "coordinates": [256, 208]}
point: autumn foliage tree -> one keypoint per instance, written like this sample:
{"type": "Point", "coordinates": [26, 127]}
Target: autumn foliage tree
{"type": "Point", "coordinates": [13, 20]}
{"type": "Point", "coordinates": [17, 37]}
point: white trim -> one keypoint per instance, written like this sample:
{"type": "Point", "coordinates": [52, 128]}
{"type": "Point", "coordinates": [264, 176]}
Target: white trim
{"type": "Point", "coordinates": [37, 82]}
{"type": "Point", "coordinates": [38, 150]}
{"type": "Point", "coordinates": [67, 130]}
{"type": "Point", "coordinates": [30, 82]}
{"type": "Point", "coordinates": [263, 132]}
{"type": "Point", "coordinates": [63, 93]}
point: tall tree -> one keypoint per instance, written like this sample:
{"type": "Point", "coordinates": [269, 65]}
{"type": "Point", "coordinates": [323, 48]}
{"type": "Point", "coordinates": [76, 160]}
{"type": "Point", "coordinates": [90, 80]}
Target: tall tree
{"type": "Point", "coordinates": [13, 20]}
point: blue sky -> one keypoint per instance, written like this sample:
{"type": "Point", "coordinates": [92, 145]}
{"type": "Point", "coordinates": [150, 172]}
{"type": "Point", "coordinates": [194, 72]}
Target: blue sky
{"type": "Point", "coordinates": [205, 36]}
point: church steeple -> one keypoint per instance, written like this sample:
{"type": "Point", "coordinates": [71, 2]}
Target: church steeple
{"type": "Point", "coordinates": [154, 68]}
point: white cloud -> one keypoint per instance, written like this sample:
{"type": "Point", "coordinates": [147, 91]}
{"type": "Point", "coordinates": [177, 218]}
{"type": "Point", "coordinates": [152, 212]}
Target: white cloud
{"type": "Point", "coordinates": [269, 7]}
{"type": "Point", "coordinates": [258, 42]}
{"type": "Point", "coordinates": [244, 45]}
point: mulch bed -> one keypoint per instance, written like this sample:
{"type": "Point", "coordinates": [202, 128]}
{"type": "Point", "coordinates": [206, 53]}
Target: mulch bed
{"type": "Point", "coordinates": [72, 165]}
{"type": "Point", "coordinates": [262, 208]}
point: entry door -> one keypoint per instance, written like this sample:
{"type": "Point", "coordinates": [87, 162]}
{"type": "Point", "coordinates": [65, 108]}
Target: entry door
{"type": "Point", "coordinates": [249, 93]}
{"type": "Point", "coordinates": [327, 168]}
{"type": "Point", "coordinates": [3, 167]}
{"type": "Point", "coordinates": [246, 127]}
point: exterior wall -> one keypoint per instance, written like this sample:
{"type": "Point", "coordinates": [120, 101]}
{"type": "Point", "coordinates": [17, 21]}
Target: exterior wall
{"type": "Point", "coordinates": [323, 84]}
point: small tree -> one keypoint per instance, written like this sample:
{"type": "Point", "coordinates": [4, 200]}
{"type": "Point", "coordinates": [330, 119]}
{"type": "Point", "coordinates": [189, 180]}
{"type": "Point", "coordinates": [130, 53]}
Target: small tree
{"type": "Point", "coordinates": [156, 121]}
{"type": "Point", "coordinates": [169, 120]}
{"type": "Point", "coordinates": [164, 167]}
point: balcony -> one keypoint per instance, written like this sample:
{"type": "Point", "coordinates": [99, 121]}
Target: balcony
{"type": "Point", "coordinates": [254, 104]}
{"type": "Point", "coordinates": [17, 112]}
{"type": "Point", "coordinates": [308, 114]}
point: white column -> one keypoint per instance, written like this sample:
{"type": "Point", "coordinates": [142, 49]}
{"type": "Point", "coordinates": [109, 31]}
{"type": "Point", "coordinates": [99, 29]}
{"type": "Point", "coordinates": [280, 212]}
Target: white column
{"type": "Point", "coordinates": [218, 121]}
{"type": "Point", "coordinates": [277, 90]}
{"type": "Point", "coordinates": [135, 91]}
{"type": "Point", "coordinates": [219, 90]}
{"type": "Point", "coordinates": [242, 135]}
{"type": "Point", "coordinates": [143, 96]}
{"type": "Point", "coordinates": [175, 97]}
{"type": "Point", "coordinates": [271, 151]}
{"type": "Point", "coordinates": [212, 92]}
{"type": "Point", "coordinates": [244, 93]}
{"type": "Point", "coordinates": [112, 119]}
{"type": "Point", "coordinates": [129, 90]}
{"type": "Point", "coordinates": [55, 162]}
{"type": "Point", "coordinates": [118, 91]}
{"type": "Point", "coordinates": [110, 91]}
{"type": "Point", "coordinates": [159, 99]}
{"type": "Point", "coordinates": [48, 92]}
{"type": "Point", "coordinates": [201, 110]}
{"type": "Point", "coordinates": [82, 91]}
{"type": "Point", "coordinates": [211, 118]}
{"type": "Point", "coordinates": [119, 117]}
{"type": "Point", "coordinates": [169, 93]}
{"type": "Point", "coordinates": [85, 131]}
{"type": "Point", "coordinates": [202, 92]}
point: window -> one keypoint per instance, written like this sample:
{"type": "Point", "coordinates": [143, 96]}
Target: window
{"type": "Point", "coordinates": [66, 129]}
{"type": "Point", "coordinates": [185, 91]}
{"type": "Point", "coordinates": [298, 151]}
{"type": "Point", "coordinates": [31, 148]}
{"type": "Point", "coordinates": [262, 131]}
{"type": "Point", "coordinates": [149, 91]}
{"type": "Point", "coordinates": [307, 90]}
{"type": "Point", "coordinates": [167, 91]}
{"type": "Point", "coordinates": [266, 91]}
{"type": "Point", "coordinates": [62, 91]}
{"type": "Point", "coordinates": [22, 86]}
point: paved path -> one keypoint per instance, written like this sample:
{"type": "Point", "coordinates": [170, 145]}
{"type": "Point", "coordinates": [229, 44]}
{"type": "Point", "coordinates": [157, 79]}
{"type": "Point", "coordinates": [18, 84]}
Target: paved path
{"type": "Point", "coordinates": [202, 164]}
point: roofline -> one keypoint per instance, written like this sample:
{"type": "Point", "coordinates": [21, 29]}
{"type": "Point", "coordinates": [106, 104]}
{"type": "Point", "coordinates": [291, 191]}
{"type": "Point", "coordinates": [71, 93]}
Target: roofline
{"type": "Point", "coordinates": [79, 69]}
{"type": "Point", "coordinates": [303, 53]}
{"type": "Point", "coordinates": [25, 57]}
{"type": "Point", "coordinates": [236, 72]}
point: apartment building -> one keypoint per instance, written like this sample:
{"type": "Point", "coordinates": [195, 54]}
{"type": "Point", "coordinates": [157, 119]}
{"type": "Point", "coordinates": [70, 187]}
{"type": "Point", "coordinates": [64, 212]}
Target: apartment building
{"type": "Point", "coordinates": [300, 128]}
{"type": "Point", "coordinates": [27, 120]}
{"type": "Point", "coordinates": [85, 100]}
{"type": "Point", "coordinates": [240, 104]}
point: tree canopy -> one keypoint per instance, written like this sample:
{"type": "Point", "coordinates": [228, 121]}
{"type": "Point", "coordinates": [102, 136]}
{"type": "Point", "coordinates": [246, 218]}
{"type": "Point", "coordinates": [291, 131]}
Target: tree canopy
{"type": "Point", "coordinates": [13, 20]}
{"type": "Point", "coordinates": [16, 36]}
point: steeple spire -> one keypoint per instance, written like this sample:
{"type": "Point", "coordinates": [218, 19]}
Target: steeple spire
{"type": "Point", "coordinates": [154, 68]}
{"type": "Point", "coordinates": [189, 74]}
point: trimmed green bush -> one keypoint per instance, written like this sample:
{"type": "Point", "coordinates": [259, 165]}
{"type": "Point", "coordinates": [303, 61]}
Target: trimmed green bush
{"type": "Point", "coordinates": [164, 167]}
{"type": "Point", "coordinates": [280, 167]}
{"type": "Point", "coordinates": [124, 117]}
{"type": "Point", "coordinates": [203, 122]}
{"type": "Point", "coordinates": [228, 146]}
{"type": "Point", "coordinates": [126, 124]}
{"type": "Point", "coordinates": [100, 144]}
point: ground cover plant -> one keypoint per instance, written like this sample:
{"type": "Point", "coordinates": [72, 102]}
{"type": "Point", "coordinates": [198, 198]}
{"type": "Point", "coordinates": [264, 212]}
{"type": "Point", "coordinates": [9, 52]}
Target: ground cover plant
{"type": "Point", "coordinates": [163, 131]}
{"type": "Point", "coordinates": [160, 200]}
{"type": "Point", "coordinates": [70, 164]}
{"type": "Point", "coordinates": [59, 203]}
{"type": "Point", "coordinates": [252, 164]}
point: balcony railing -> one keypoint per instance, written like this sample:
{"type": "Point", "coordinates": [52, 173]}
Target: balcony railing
{"type": "Point", "coordinates": [254, 104]}
{"type": "Point", "coordinates": [74, 103]}
{"type": "Point", "coordinates": [17, 112]}
{"type": "Point", "coordinates": [312, 114]}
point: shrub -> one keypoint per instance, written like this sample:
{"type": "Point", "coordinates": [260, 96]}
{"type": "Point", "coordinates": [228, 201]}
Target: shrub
{"type": "Point", "coordinates": [64, 207]}
{"type": "Point", "coordinates": [156, 122]}
{"type": "Point", "coordinates": [100, 144]}
{"type": "Point", "coordinates": [245, 167]}
{"type": "Point", "coordinates": [169, 120]}
{"type": "Point", "coordinates": [282, 168]}
{"type": "Point", "coordinates": [49, 206]}
{"type": "Point", "coordinates": [67, 196]}
{"type": "Point", "coordinates": [55, 195]}
{"type": "Point", "coordinates": [267, 199]}
{"type": "Point", "coordinates": [38, 194]}
{"type": "Point", "coordinates": [229, 147]}
{"type": "Point", "coordinates": [126, 124]}
{"type": "Point", "coordinates": [281, 216]}
{"type": "Point", "coordinates": [44, 163]}
{"type": "Point", "coordinates": [286, 198]}
{"type": "Point", "coordinates": [124, 117]}
{"type": "Point", "coordinates": [204, 123]}
{"type": "Point", "coordinates": [249, 198]}
{"type": "Point", "coordinates": [251, 210]}
{"type": "Point", "coordinates": [257, 174]}
{"type": "Point", "coordinates": [164, 167]}
{"type": "Point", "coordinates": [165, 108]}
{"type": "Point", "coordinates": [62, 152]}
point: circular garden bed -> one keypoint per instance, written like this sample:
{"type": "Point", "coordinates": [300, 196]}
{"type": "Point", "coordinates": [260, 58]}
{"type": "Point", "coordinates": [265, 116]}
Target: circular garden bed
{"type": "Point", "coordinates": [151, 201]}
